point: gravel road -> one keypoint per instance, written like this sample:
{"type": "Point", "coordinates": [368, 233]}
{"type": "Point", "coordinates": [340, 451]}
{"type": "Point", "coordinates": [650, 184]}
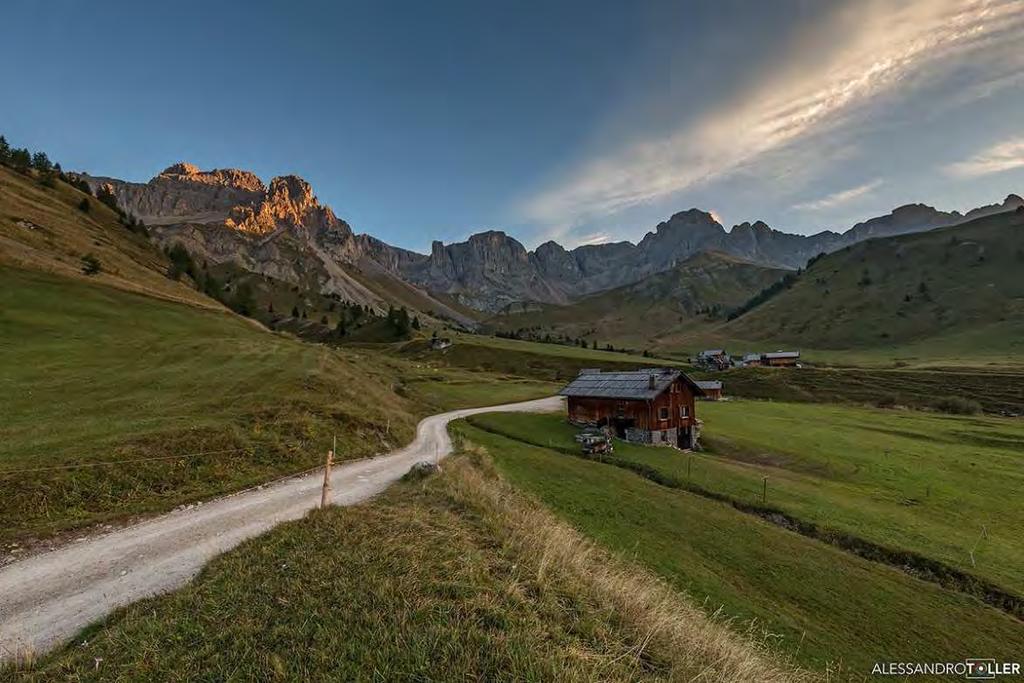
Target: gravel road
{"type": "Point", "coordinates": [46, 599]}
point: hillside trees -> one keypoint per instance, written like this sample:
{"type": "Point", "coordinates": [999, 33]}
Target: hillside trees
{"type": "Point", "coordinates": [399, 321]}
{"type": "Point", "coordinates": [181, 263]}
{"type": "Point", "coordinates": [787, 281]}
{"type": "Point", "coordinates": [20, 159]}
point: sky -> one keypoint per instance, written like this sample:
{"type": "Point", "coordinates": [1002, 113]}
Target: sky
{"type": "Point", "coordinates": [582, 122]}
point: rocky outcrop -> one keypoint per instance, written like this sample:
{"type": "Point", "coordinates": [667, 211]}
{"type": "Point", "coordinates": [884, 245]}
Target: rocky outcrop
{"type": "Point", "coordinates": [491, 269]}
{"type": "Point", "coordinates": [283, 230]}
{"type": "Point", "coordinates": [228, 215]}
{"type": "Point", "coordinates": [182, 193]}
{"type": "Point", "coordinates": [487, 271]}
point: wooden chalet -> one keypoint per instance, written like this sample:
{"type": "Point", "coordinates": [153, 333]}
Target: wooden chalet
{"type": "Point", "coordinates": [780, 359]}
{"type": "Point", "coordinates": [714, 359]}
{"type": "Point", "coordinates": [654, 406]}
{"type": "Point", "coordinates": [712, 389]}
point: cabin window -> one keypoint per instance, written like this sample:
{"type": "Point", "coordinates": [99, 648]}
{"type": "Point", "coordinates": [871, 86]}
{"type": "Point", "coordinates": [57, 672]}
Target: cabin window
{"type": "Point", "coordinates": [684, 411]}
{"type": "Point", "coordinates": [662, 413]}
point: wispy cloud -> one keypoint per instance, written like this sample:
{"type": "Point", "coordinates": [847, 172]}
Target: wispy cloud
{"type": "Point", "coordinates": [596, 238]}
{"type": "Point", "coordinates": [1002, 156]}
{"type": "Point", "coordinates": [879, 47]}
{"type": "Point", "coordinates": [839, 198]}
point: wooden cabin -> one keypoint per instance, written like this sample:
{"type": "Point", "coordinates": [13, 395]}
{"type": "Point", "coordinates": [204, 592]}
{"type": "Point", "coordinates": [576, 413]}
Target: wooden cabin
{"type": "Point", "coordinates": [780, 359]}
{"type": "Point", "coordinates": [655, 406]}
{"type": "Point", "coordinates": [714, 359]}
{"type": "Point", "coordinates": [712, 389]}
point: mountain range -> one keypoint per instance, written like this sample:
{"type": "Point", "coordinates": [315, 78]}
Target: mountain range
{"type": "Point", "coordinates": [282, 231]}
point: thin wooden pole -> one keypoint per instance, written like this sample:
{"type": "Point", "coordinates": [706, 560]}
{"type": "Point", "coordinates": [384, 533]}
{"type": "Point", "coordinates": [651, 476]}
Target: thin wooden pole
{"type": "Point", "coordinates": [764, 490]}
{"type": "Point", "coordinates": [325, 494]}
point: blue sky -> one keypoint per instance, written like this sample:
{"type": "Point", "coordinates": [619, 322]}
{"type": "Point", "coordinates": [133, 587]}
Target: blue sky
{"type": "Point", "coordinates": [578, 121]}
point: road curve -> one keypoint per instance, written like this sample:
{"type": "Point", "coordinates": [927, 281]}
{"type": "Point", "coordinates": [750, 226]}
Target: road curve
{"type": "Point", "coordinates": [46, 599]}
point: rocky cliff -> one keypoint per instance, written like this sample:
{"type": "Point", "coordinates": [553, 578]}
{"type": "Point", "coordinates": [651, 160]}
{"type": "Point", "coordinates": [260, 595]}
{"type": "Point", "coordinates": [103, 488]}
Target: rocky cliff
{"type": "Point", "coordinates": [282, 230]}
{"type": "Point", "coordinates": [492, 269]}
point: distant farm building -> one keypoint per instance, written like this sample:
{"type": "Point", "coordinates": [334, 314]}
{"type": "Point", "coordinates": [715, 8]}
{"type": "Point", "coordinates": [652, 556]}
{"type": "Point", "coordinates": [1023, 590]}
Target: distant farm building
{"type": "Point", "coordinates": [779, 359]}
{"type": "Point", "coordinates": [752, 360]}
{"type": "Point", "coordinates": [712, 389]}
{"type": "Point", "coordinates": [714, 359]}
{"type": "Point", "coordinates": [654, 406]}
{"type": "Point", "coordinates": [439, 343]}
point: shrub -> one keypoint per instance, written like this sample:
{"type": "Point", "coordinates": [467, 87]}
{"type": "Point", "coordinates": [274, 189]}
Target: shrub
{"type": "Point", "coordinates": [84, 205]}
{"type": "Point", "coordinates": [957, 405]}
{"type": "Point", "coordinates": [886, 401]}
{"type": "Point", "coordinates": [91, 265]}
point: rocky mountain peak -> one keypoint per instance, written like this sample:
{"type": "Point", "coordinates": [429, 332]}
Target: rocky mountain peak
{"type": "Point", "coordinates": [757, 227]}
{"type": "Point", "coordinates": [184, 172]}
{"type": "Point", "coordinates": [289, 203]}
{"type": "Point", "coordinates": [689, 217]}
{"type": "Point", "coordinates": [182, 168]}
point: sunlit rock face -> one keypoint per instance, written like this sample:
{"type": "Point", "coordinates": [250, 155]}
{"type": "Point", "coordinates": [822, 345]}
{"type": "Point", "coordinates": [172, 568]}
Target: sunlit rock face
{"type": "Point", "coordinates": [223, 215]}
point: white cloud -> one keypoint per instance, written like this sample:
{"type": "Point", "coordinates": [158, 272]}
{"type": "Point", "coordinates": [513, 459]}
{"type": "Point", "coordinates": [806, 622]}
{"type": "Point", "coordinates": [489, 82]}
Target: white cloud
{"type": "Point", "coordinates": [596, 238]}
{"type": "Point", "coordinates": [839, 198]}
{"type": "Point", "coordinates": [878, 48]}
{"type": "Point", "coordinates": [1000, 157]}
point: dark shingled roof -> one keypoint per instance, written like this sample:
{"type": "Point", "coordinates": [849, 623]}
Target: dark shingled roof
{"type": "Point", "coordinates": [709, 384]}
{"type": "Point", "coordinates": [634, 385]}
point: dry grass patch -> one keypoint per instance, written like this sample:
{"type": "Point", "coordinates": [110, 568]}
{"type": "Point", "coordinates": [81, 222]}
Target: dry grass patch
{"type": "Point", "coordinates": [662, 623]}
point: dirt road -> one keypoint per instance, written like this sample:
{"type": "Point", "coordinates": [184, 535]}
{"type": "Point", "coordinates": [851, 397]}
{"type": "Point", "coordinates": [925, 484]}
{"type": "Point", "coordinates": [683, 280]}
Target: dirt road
{"type": "Point", "coordinates": [45, 599]}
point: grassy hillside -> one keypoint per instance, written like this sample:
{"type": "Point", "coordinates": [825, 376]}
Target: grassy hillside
{"type": "Point", "coordinates": [130, 366]}
{"type": "Point", "coordinates": [44, 228]}
{"type": "Point", "coordinates": [830, 610]}
{"type": "Point", "coordinates": [999, 391]}
{"type": "Point", "coordinates": [455, 578]}
{"type": "Point", "coordinates": [959, 283]}
{"type": "Point", "coordinates": [704, 287]}
{"type": "Point", "coordinates": [894, 478]}
{"type": "Point", "coordinates": [95, 374]}
{"type": "Point", "coordinates": [553, 363]}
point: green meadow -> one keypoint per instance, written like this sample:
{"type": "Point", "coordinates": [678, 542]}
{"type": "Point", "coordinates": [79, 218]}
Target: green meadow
{"type": "Point", "coordinates": [939, 486]}
{"type": "Point", "coordinates": [834, 612]}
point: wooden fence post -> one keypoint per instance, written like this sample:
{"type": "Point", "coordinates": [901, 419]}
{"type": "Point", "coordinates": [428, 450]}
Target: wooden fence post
{"type": "Point", "coordinates": [764, 491]}
{"type": "Point", "coordinates": [325, 494]}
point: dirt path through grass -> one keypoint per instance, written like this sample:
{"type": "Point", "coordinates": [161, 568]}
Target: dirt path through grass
{"type": "Point", "coordinates": [47, 598]}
